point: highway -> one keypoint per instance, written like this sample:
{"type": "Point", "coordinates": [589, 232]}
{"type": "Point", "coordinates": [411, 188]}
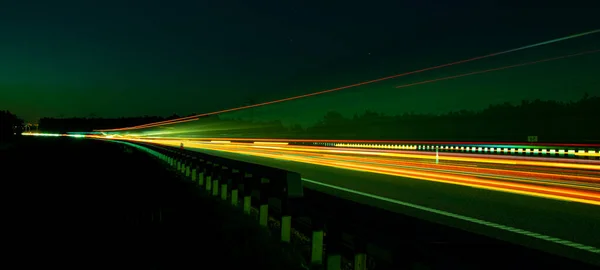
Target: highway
{"type": "Point", "coordinates": [550, 204]}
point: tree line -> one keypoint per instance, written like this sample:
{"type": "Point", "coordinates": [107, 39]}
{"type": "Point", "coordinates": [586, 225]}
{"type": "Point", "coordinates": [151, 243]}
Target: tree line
{"type": "Point", "coordinates": [10, 126]}
{"type": "Point", "coordinates": [551, 121]}
{"type": "Point", "coordinates": [89, 124]}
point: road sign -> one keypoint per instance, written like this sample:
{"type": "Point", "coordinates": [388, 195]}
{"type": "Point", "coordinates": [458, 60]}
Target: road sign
{"type": "Point", "coordinates": [532, 138]}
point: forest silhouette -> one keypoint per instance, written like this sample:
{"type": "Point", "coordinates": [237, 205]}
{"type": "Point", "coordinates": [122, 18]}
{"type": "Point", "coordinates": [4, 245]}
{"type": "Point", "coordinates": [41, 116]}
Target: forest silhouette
{"type": "Point", "coordinates": [551, 121]}
{"type": "Point", "coordinates": [10, 126]}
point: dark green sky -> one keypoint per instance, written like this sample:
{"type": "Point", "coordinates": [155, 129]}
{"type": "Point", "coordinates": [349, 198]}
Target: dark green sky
{"type": "Point", "coordinates": [126, 58]}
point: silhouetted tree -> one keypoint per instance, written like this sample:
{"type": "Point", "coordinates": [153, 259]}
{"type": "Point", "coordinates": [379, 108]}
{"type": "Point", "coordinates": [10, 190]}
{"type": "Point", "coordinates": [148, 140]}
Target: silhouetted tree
{"type": "Point", "coordinates": [63, 125]}
{"type": "Point", "coordinates": [10, 126]}
{"type": "Point", "coordinates": [551, 121]}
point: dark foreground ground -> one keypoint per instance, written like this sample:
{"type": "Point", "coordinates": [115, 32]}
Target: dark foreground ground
{"type": "Point", "coordinates": [81, 204]}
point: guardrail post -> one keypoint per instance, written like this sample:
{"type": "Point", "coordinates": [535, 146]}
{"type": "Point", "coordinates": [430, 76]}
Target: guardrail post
{"type": "Point", "coordinates": [236, 182]}
{"type": "Point", "coordinates": [209, 175]}
{"type": "Point", "coordinates": [334, 244]}
{"type": "Point", "coordinates": [184, 165]}
{"type": "Point", "coordinates": [188, 166]}
{"type": "Point", "coordinates": [264, 202]}
{"type": "Point", "coordinates": [215, 180]}
{"type": "Point", "coordinates": [290, 188]}
{"type": "Point", "coordinates": [225, 179]}
{"type": "Point", "coordinates": [316, 254]}
{"type": "Point", "coordinates": [247, 192]}
{"type": "Point", "coordinates": [180, 167]}
{"type": "Point", "coordinates": [360, 254]}
{"type": "Point", "coordinates": [286, 223]}
{"type": "Point", "coordinates": [202, 165]}
{"type": "Point", "coordinates": [194, 170]}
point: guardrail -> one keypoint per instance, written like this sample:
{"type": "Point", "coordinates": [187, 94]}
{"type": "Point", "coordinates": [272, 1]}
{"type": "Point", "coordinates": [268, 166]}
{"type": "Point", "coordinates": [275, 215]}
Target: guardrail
{"type": "Point", "coordinates": [333, 233]}
{"type": "Point", "coordinates": [246, 185]}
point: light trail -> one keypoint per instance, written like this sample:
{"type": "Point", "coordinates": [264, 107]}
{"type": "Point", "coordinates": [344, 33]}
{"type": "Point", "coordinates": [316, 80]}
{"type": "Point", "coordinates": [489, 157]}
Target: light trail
{"type": "Point", "coordinates": [196, 117]}
{"type": "Point", "coordinates": [460, 157]}
{"type": "Point", "coordinates": [283, 140]}
{"type": "Point", "coordinates": [497, 69]}
{"type": "Point", "coordinates": [567, 180]}
{"type": "Point", "coordinates": [544, 236]}
{"type": "Point", "coordinates": [492, 152]}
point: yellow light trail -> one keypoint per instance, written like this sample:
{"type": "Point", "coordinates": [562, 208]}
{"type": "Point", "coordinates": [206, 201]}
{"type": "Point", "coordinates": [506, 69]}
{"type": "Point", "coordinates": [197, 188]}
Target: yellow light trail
{"type": "Point", "coordinates": [553, 193]}
{"type": "Point", "coordinates": [580, 183]}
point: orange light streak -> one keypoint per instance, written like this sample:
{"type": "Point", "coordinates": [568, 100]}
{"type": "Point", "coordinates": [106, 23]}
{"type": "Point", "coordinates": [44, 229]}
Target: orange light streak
{"type": "Point", "coordinates": [541, 184]}
{"type": "Point", "coordinates": [532, 190]}
{"type": "Point", "coordinates": [195, 117]}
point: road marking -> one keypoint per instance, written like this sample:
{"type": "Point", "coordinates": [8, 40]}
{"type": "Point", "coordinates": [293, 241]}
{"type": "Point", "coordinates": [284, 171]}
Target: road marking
{"type": "Point", "coordinates": [465, 218]}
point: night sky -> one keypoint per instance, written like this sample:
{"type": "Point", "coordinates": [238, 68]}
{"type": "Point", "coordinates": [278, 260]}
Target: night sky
{"type": "Point", "coordinates": [130, 58]}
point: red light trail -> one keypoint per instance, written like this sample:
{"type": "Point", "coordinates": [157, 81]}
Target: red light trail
{"type": "Point", "coordinates": [195, 117]}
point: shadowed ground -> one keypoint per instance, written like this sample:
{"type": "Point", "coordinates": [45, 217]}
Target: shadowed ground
{"type": "Point", "coordinates": [81, 204]}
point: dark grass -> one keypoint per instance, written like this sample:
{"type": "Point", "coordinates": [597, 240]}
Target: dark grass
{"type": "Point", "coordinates": [83, 204]}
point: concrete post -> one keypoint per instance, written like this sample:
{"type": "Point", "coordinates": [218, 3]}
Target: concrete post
{"type": "Point", "coordinates": [263, 215]}
{"type": "Point", "coordinates": [286, 220]}
{"type": "Point", "coordinates": [236, 181]}
{"type": "Point", "coordinates": [208, 180]}
{"type": "Point", "coordinates": [316, 257]}
{"type": "Point", "coordinates": [264, 202]}
{"type": "Point", "coordinates": [286, 228]}
{"type": "Point", "coordinates": [201, 177]}
{"type": "Point", "coordinates": [216, 175]}
{"type": "Point", "coordinates": [247, 203]}
{"type": "Point", "coordinates": [224, 191]}
{"type": "Point", "coordinates": [334, 243]}
{"type": "Point", "coordinates": [234, 197]}
{"type": "Point", "coordinates": [183, 165]}
{"type": "Point", "coordinates": [215, 186]}
{"type": "Point", "coordinates": [360, 254]}
{"type": "Point", "coordinates": [334, 262]}
{"type": "Point", "coordinates": [360, 261]}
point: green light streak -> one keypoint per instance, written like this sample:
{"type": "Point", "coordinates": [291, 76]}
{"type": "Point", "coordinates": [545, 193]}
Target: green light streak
{"type": "Point", "coordinates": [550, 42]}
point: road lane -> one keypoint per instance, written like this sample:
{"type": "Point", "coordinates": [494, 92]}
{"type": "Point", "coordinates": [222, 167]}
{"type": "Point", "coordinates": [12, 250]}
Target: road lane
{"type": "Point", "coordinates": [574, 222]}
{"type": "Point", "coordinates": [553, 220]}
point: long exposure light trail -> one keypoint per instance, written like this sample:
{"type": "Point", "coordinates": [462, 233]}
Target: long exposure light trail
{"type": "Point", "coordinates": [195, 117]}
{"type": "Point", "coordinates": [567, 180]}
{"type": "Point", "coordinates": [497, 69]}
{"type": "Point", "coordinates": [272, 140]}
